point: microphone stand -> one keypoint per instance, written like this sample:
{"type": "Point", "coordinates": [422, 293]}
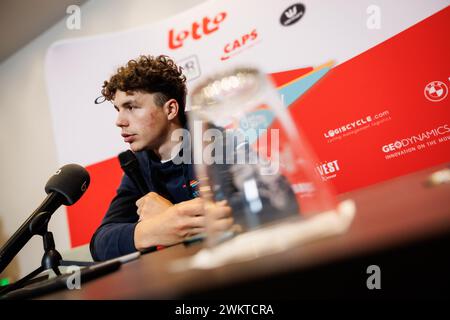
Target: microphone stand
{"type": "Point", "coordinates": [51, 259]}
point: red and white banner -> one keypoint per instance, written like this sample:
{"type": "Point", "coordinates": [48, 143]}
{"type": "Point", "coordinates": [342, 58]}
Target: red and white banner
{"type": "Point", "coordinates": [367, 84]}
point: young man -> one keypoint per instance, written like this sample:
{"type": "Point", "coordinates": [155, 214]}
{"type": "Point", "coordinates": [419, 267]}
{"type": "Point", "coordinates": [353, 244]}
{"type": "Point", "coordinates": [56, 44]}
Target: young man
{"type": "Point", "coordinates": [149, 94]}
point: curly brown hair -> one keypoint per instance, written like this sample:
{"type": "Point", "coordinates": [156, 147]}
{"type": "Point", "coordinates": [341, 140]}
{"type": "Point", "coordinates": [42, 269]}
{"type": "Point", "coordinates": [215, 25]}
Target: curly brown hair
{"type": "Point", "coordinates": [159, 75]}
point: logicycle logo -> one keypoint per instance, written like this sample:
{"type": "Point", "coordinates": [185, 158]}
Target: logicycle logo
{"type": "Point", "coordinates": [239, 44]}
{"type": "Point", "coordinates": [292, 14]}
{"type": "Point", "coordinates": [349, 126]}
{"type": "Point", "coordinates": [197, 30]}
{"type": "Point", "coordinates": [436, 91]}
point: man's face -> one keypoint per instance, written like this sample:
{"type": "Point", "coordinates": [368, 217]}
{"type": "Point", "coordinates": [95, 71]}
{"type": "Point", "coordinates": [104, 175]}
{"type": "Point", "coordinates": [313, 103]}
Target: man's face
{"type": "Point", "coordinates": [144, 124]}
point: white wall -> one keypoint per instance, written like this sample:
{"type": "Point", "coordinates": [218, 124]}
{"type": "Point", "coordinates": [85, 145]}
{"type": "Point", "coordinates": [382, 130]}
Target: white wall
{"type": "Point", "coordinates": [28, 154]}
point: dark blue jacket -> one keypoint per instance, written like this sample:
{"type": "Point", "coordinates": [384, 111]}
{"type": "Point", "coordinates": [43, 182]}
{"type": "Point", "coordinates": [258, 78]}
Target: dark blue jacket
{"type": "Point", "coordinates": [176, 182]}
{"type": "Point", "coordinates": [115, 236]}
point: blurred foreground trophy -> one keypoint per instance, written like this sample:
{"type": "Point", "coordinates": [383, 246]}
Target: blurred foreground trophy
{"type": "Point", "coordinates": [248, 151]}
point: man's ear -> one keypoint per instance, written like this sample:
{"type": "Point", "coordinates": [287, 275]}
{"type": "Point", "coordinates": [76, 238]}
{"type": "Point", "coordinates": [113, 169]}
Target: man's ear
{"type": "Point", "coordinates": [171, 107]}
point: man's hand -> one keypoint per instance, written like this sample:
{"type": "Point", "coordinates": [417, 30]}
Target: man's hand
{"type": "Point", "coordinates": [151, 204]}
{"type": "Point", "coordinates": [219, 216]}
{"type": "Point", "coordinates": [173, 225]}
{"type": "Point", "coordinates": [179, 222]}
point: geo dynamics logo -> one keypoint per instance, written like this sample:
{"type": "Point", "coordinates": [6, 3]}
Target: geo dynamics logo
{"type": "Point", "coordinates": [435, 91]}
{"type": "Point", "coordinates": [292, 14]}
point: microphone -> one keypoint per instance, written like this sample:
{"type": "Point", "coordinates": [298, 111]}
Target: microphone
{"type": "Point", "coordinates": [65, 187]}
{"type": "Point", "coordinates": [130, 165]}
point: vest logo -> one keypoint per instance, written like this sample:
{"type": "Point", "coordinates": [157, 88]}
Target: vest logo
{"type": "Point", "coordinates": [292, 14]}
{"type": "Point", "coordinates": [197, 30]}
{"type": "Point", "coordinates": [239, 44]}
{"type": "Point", "coordinates": [328, 169]}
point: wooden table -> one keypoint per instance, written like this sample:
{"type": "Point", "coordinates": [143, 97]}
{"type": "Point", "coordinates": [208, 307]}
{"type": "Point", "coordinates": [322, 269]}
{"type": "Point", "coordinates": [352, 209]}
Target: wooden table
{"type": "Point", "coordinates": [401, 225]}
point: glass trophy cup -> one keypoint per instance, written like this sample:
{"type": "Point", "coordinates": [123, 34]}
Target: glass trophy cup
{"type": "Point", "coordinates": [248, 151]}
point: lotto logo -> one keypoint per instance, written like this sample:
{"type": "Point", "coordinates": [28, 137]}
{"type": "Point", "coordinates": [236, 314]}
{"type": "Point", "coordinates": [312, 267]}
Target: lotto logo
{"type": "Point", "coordinates": [196, 31]}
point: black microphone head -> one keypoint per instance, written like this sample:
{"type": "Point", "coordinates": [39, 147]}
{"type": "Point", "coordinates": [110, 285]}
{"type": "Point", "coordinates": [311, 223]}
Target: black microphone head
{"type": "Point", "coordinates": [126, 158]}
{"type": "Point", "coordinates": [130, 165]}
{"type": "Point", "coordinates": [71, 181]}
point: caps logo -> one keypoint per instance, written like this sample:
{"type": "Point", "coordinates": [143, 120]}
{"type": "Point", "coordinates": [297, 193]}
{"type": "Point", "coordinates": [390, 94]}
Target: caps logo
{"type": "Point", "coordinates": [239, 44]}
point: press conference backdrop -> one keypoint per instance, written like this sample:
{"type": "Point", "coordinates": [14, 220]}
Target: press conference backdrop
{"type": "Point", "coordinates": [367, 84]}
